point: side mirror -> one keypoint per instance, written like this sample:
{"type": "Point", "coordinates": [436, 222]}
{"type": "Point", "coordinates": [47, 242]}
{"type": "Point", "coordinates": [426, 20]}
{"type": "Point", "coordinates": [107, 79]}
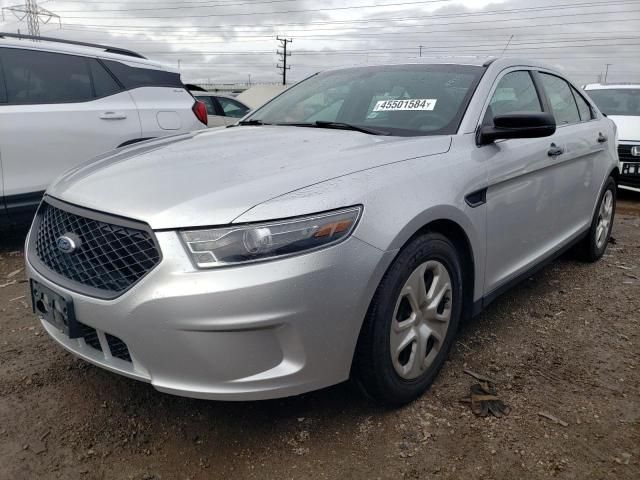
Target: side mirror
{"type": "Point", "coordinates": [517, 125]}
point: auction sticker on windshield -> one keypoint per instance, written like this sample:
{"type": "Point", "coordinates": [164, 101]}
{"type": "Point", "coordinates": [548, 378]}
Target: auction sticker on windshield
{"type": "Point", "coordinates": [410, 104]}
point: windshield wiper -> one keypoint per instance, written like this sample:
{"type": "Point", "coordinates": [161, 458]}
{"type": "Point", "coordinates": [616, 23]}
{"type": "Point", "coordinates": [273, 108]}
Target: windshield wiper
{"type": "Point", "coordinates": [318, 124]}
{"type": "Point", "coordinates": [336, 125]}
{"type": "Point", "coordinates": [349, 126]}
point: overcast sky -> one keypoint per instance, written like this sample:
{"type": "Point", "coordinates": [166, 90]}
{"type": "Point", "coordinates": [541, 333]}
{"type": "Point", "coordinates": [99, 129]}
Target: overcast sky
{"type": "Point", "coordinates": [223, 41]}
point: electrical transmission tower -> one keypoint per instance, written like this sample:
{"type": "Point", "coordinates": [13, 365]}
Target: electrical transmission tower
{"type": "Point", "coordinates": [34, 14]}
{"type": "Point", "coordinates": [283, 57]}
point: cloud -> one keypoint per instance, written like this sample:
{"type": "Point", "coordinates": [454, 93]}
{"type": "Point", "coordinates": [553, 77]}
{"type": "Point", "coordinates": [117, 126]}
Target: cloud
{"type": "Point", "coordinates": [227, 40]}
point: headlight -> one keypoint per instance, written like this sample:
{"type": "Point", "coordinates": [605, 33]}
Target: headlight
{"type": "Point", "coordinates": [219, 247]}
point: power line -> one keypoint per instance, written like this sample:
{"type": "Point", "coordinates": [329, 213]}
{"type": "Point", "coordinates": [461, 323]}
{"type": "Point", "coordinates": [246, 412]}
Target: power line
{"type": "Point", "coordinates": [283, 57]}
{"type": "Point", "coordinates": [470, 47]}
{"type": "Point", "coordinates": [392, 19]}
{"type": "Point", "coordinates": [224, 5]}
{"type": "Point", "coordinates": [353, 7]}
{"type": "Point", "coordinates": [445, 24]}
{"type": "Point", "coordinates": [210, 36]}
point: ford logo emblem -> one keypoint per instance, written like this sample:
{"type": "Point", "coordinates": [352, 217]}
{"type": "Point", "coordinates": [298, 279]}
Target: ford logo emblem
{"type": "Point", "coordinates": [68, 243]}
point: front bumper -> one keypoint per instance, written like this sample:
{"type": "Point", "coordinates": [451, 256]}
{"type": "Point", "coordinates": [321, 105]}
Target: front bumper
{"type": "Point", "coordinates": [259, 331]}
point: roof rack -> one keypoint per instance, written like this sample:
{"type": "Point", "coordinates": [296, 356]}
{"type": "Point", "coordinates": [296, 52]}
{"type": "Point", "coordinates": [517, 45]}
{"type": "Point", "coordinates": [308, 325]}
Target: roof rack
{"type": "Point", "coordinates": [106, 48]}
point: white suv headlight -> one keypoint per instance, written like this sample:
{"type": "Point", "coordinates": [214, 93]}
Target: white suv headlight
{"type": "Point", "coordinates": [220, 247]}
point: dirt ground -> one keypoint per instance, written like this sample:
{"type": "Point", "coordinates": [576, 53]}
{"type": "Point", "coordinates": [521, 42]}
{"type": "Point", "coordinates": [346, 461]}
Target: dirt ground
{"type": "Point", "coordinates": [566, 342]}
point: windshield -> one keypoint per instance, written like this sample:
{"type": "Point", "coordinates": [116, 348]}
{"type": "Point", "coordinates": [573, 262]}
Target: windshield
{"type": "Point", "coordinates": [617, 101]}
{"type": "Point", "coordinates": [400, 100]}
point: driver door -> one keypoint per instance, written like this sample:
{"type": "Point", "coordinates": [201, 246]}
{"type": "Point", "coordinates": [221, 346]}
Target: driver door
{"type": "Point", "coordinates": [522, 191]}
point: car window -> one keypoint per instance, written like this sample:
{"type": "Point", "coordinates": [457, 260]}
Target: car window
{"type": "Point", "coordinates": [403, 100]}
{"type": "Point", "coordinates": [208, 102]}
{"type": "Point", "coordinates": [103, 83]}
{"type": "Point", "coordinates": [617, 101]}
{"type": "Point", "coordinates": [3, 90]}
{"type": "Point", "coordinates": [562, 101]}
{"type": "Point", "coordinates": [42, 77]}
{"type": "Point", "coordinates": [232, 108]}
{"type": "Point", "coordinates": [583, 107]}
{"type": "Point", "coordinates": [134, 77]}
{"type": "Point", "coordinates": [515, 92]}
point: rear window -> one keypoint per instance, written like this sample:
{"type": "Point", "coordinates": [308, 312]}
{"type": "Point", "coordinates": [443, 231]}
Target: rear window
{"type": "Point", "coordinates": [35, 77]}
{"type": "Point", "coordinates": [617, 101]}
{"type": "Point", "coordinates": [134, 77]}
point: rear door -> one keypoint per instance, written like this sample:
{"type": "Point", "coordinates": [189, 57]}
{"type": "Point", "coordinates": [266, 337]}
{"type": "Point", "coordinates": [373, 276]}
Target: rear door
{"type": "Point", "coordinates": [580, 166]}
{"type": "Point", "coordinates": [60, 111]}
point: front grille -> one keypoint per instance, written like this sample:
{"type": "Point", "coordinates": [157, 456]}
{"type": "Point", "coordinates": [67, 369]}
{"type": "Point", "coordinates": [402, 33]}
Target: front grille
{"type": "Point", "coordinates": [109, 257]}
{"type": "Point", "coordinates": [624, 152]}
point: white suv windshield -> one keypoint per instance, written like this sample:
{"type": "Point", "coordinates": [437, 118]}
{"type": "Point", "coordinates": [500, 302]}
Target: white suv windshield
{"type": "Point", "coordinates": [398, 100]}
{"type": "Point", "coordinates": [617, 101]}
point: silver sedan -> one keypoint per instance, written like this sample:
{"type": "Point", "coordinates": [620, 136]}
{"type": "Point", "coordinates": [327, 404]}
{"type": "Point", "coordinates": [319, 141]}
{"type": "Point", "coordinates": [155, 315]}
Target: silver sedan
{"type": "Point", "coordinates": [343, 230]}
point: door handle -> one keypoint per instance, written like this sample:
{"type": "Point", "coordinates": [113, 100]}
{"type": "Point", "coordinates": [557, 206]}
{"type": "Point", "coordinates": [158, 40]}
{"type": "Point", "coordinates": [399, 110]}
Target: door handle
{"type": "Point", "coordinates": [113, 116]}
{"type": "Point", "coordinates": [602, 138]}
{"type": "Point", "coordinates": [555, 150]}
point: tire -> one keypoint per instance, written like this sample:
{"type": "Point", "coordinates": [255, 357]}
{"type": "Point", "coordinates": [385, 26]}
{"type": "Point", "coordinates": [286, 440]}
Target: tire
{"type": "Point", "coordinates": [398, 375]}
{"type": "Point", "coordinates": [593, 246]}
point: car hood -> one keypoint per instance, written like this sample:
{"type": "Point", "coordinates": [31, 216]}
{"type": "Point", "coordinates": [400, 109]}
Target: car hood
{"type": "Point", "coordinates": [212, 177]}
{"type": "Point", "coordinates": [628, 127]}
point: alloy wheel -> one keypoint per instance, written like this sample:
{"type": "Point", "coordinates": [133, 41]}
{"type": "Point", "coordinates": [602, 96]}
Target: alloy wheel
{"type": "Point", "coordinates": [421, 319]}
{"type": "Point", "coordinates": [604, 219]}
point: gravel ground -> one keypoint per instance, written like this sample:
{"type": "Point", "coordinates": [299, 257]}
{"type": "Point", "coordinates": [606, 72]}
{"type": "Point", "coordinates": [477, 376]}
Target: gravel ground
{"type": "Point", "coordinates": [565, 342]}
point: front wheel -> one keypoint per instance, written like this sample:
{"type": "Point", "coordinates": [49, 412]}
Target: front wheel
{"type": "Point", "coordinates": [411, 322]}
{"type": "Point", "coordinates": [595, 243]}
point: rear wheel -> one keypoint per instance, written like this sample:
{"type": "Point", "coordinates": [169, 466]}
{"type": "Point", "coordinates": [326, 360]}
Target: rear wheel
{"type": "Point", "coordinates": [411, 322]}
{"type": "Point", "coordinates": [595, 243]}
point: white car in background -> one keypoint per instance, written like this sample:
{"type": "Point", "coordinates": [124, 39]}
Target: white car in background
{"type": "Point", "coordinates": [64, 102]}
{"type": "Point", "coordinates": [221, 109]}
{"type": "Point", "coordinates": [621, 103]}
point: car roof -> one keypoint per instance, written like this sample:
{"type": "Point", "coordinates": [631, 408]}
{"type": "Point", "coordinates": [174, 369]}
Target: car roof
{"type": "Point", "coordinates": [479, 61]}
{"type": "Point", "coordinates": [609, 86]}
{"type": "Point", "coordinates": [102, 51]}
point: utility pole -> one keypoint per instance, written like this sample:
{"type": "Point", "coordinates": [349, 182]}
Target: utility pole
{"type": "Point", "coordinates": [283, 57]}
{"type": "Point", "coordinates": [606, 72]}
{"type": "Point", "coordinates": [420, 50]}
{"type": "Point", "coordinates": [33, 14]}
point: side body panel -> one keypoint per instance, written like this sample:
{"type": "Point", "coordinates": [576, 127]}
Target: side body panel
{"type": "Point", "coordinates": [165, 111]}
{"type": "Point", "coordinates": [521, 197]}
{"type": "Point", "coordinates": [400, 199]}
{"type": "Point", "coordinates": [39, 142]}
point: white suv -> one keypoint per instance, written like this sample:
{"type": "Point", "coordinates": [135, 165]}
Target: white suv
{"type": "Point", "coordinates": [64, 102]}
{"type": "Point", "coordinates": [621, 103]}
